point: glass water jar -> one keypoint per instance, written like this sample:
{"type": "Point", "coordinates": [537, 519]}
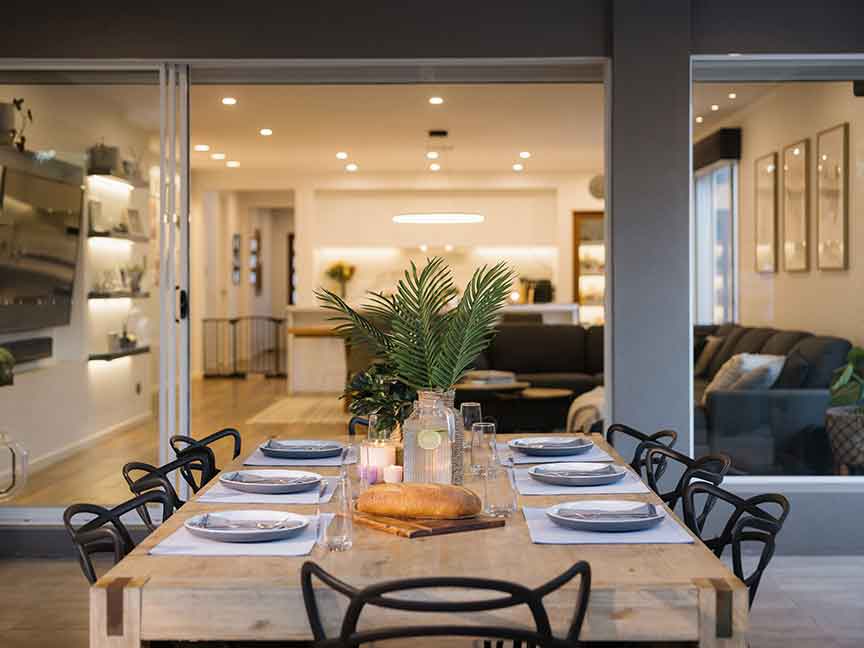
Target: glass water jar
{"type": "Point", "coordinates": [429, 437]}
{"type": "Point", "coordinates": [14, 467]}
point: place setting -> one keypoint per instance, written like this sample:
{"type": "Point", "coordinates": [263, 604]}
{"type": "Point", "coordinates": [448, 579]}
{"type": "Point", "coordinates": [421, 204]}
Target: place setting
{"type": "Point", "coordinates": [589, 477]}
{"type": "Point", "coordinates": [604, 521]}
{"type": "Point", "coordinates": [552, 449]}
{"type": "Point", "coordinates": [271, 486]}
{"type": "Point", "coordinates": [300, 452]}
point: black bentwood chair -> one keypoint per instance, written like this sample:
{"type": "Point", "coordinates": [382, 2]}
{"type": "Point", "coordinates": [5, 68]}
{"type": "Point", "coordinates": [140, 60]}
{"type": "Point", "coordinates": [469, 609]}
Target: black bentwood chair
{"type": "Point", "coordinates": [180, 444]}
{"type": "Point", "coordinates": [379, 596]}
{"type": "Point", "coordinates": [755, 521]}
{"type": "Point", "coordinates": [142, 477]}
{"type": "Point", "coordinates": [710, 468]}
{"type": "Point", "coordinates": [105, 532]}
{"type": "Point", "coordinates": [664, 438]}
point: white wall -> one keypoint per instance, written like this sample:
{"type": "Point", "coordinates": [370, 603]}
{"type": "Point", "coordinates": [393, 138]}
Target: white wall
{"type": "Point", "coordinates": [58, 405]}
{"type": "Point", "coordinates": [824, 302]}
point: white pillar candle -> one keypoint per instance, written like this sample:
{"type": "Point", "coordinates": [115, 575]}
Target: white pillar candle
{"type": "Point", "coordinates": [380, 455]}
{"type": "Point", "coordinates": [393, 474]}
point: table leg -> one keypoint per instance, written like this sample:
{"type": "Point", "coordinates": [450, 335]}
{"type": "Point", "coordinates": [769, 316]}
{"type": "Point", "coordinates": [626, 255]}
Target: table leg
{"type": "Point", "coordinates": [723, 614]}
{"type": "Point", "coordinates": [115, 613]}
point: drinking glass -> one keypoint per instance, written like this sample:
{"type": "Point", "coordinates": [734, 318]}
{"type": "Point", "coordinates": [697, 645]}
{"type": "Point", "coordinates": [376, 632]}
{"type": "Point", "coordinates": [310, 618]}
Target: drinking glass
{"type": "Point", "coordinates": [499, 493]}
{"type": "Point", "coordinates": [338, 535]}
{"type": "Point", "coordinates": [471, 414]}
{"type": "Point", "coordinates": [483, 448]}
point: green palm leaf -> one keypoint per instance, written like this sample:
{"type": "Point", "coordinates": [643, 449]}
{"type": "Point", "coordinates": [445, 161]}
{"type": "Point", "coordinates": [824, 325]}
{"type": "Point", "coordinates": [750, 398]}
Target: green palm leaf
{"type": "Point", "coordinates": [356, 328]}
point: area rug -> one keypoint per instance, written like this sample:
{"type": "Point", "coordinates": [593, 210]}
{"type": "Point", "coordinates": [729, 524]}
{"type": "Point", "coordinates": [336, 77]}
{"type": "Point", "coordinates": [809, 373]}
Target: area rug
{"type": "Point", "coordinates": [326, 408]}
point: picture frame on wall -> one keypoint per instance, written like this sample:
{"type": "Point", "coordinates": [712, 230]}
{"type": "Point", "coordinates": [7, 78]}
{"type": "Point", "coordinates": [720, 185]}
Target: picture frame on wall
{"type": "Point", "coordinates": [765, 183]}
{"type": "Point", "coordinates": [796, 206]}
{"type": "Point", "coordinates": [832, 198]}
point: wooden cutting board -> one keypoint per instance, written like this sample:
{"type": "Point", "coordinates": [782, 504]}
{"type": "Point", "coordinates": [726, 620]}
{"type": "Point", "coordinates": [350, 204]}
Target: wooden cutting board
{"type": "Point", "coordinates": [425, 528]}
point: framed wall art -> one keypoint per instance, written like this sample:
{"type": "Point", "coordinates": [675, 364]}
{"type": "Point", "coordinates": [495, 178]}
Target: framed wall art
{"type": "Point", "coordinates": [765, 183]}
{"type": "Point", "coordinates": [796, 207]}
{"type": "Point", "coordinates": [832, 198]}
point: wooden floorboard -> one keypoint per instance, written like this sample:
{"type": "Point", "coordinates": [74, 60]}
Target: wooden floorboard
{"type": "Point", "coordinates": [805, 602]}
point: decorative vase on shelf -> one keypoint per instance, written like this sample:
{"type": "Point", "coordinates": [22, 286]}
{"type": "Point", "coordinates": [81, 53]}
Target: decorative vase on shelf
{"type": "Point", "coordinates": [15, 475]}
{"type": "Point", "coordinates": [428, 438]}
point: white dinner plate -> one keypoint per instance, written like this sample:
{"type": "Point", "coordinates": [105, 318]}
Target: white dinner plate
{"type": "Point", "coordinates": [606, 515]}
{"type": "Point", "coordinates": [577, 473]}
{"type": "Point", "coordinates": [247, 526]}
{"type": "Point", "coordinates": [270, 482]}
{"type": "Point", "coordinates": [551, 446]}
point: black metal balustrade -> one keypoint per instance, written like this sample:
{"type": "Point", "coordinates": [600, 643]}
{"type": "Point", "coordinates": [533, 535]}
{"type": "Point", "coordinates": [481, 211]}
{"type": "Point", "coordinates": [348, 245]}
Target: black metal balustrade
{"type": "Point", "coordinates": [237, 346]}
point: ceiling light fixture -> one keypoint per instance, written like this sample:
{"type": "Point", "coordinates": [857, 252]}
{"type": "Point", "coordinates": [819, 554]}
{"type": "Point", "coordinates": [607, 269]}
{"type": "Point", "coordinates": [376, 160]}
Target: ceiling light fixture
{"type": "Point", "coordinates": [229, 101]}
{"type": "Point", "coordinates": [351, 167]}
{"type": "Point", "coordinates": [232, 164]}
{"type": "Point", "coordinates": [424, 247]}
{"type": "Point", "coordinates": [518, 167]}
{"type": "Point", "coordinates": [733, 95]}
{"type": "Point", "coordinates": [438, 218]}
{"type": "Point", "coordinates": [432, 155]}
{"type": "Point", "coordinates": [434, 167]}
{"type": "Point", "coordinates": [203, 148]}
{"type": "Point", "coordinates": [700, 119]}
{"type": "Point", "coordinates": [796, 151]}
{"type": "Point", "coordinates": [525, 155]}
{"type": "Point", "coordinates": [341, 155]}
{"type": "Point", "coordinates": [448, 247]}
{"type": "Point", "coordinates": [436, 101]}
{"type": "Point", "coordinates": [715, 107]}
{"type": "Point", "coordinates": [217, 156]}
{"type": "Point", "coordinates": [266, 132]}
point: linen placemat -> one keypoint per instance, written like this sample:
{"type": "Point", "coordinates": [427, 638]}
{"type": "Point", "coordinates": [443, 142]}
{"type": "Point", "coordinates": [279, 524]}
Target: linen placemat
{"type": "Point", "coordinates": [527, 485]}
{"type": "Point", "coordinates": [221, 494]}
{"type": "Point", "coordinates": [545, 531]}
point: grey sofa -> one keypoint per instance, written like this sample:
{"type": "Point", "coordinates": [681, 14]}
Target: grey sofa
{"type": "Point", "coordinates": [779, 430]}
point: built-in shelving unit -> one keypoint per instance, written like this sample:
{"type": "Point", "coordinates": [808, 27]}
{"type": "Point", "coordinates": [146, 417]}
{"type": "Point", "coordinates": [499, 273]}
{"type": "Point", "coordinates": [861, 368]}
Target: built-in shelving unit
{"type": "Point", "coordinates": [589, 271]}
{"type": "Point", "coordinates": [117, 294]}
{"type": "Point", "coordinates": [113, 355]}
{"type": "Point", "coordinates": [135, 184]}
{"type": "Point", "coordinates": [121, 237]}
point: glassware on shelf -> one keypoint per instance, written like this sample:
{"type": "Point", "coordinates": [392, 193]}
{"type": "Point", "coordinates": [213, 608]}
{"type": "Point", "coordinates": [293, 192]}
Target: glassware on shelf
{"type": "Point", "coordinates": [14, 466]}
{"type": "Point", "coordinates": [483, 449]}
{"type": "Point", "coordinates": [471, 413]}
{"type": "Point", "coordinates": [338, 534]}
{"type": "Point", "coordinates": [429, 438]}
{"type": "Point", "coordinates": [499, 493]}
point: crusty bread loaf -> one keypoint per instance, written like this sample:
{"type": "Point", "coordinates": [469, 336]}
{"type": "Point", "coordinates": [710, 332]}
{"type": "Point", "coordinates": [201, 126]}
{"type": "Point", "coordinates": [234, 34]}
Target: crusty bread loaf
{"type": "Point", "coordinates": [410, 500]}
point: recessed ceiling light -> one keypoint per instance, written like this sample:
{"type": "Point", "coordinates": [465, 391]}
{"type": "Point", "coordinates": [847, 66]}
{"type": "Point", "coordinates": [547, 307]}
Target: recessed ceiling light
{"type": "Point", "coordinates": [266, 132]}
{"type": "Point", "coordinates": [341, 155]}
{"type": "Point", "coordinates": [424, 247]}
{"type": "Point", "coordinates": [796, 151]}
{"type": "Point", "coordinates": [203, 148]}
{"type": "Point", "coordinates": [432, 155]}
{"type": "Point", "coordinates": [233, 164]}
{"type": "Point", "coordinates": [448, 247]}
{"type": "Point", "coordinates": [434, 167]}
{"type": "Point", "coordinates": [824, 156]}
{"type": "Point", "coordinates": [228, 101]}
{"type": "Point", "coordinates": [715, 107]}
{"type": "Point", "coordinates": [518, 167]}
{"type": "Point", "coordinates": [733, 95]}
{"type": "Point", "coordinates": [438, 218]}
{"type": "Point", "coordinates": [436, 101]}
{"type": "Point", "coordinates": [525, 155]}
{"type": "Point", "coordinates": [700, 119]}
{"type": "Point", "coordinates": [217, 156]}
{"type": "Point", "coordinates": [351, 167]}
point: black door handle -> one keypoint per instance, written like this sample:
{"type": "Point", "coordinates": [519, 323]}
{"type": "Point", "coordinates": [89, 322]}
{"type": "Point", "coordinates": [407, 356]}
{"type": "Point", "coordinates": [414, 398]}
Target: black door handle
{"type": "Point", "coordinates": [184, 305]}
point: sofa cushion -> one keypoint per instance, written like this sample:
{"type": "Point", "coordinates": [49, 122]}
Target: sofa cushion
{"type": "Point", "coordinates": [794, 372]}
{"type": "Point", "coordinates": [782, 342]}
{"type": "Point", "coordinates": [712, 346]}
{"type": "Point", "coordinates": [725, 329]}
{"type": "Point", "coordinates": [594, 348]}
{"type": "Point", "coordinates": [727, 350]}
{"type": "Point", "coordinates": [539, 348]}
{"type": "Point", "coordinates": [754, 340]}
{"type": "Point", "coordinates": [699, 385]}
{"type": "Point", "coordinates": [578, 382]}
{"type": "Point", "coordinates": [824, 355]}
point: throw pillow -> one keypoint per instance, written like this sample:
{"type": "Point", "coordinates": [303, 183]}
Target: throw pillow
{"type": "Point", "coordinates": [712, 346]}
{"type": "Point", "coordinates": [794, 372]}
{"type": "Point", "coordinates": [760, 378]}
{"type": "Point", "coordinates": [736, 367]}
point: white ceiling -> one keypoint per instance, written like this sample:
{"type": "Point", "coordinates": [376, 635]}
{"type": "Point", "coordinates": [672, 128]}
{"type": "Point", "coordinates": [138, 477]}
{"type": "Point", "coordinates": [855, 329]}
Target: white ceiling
{"type": "Point", "coordinates": [707, 94]}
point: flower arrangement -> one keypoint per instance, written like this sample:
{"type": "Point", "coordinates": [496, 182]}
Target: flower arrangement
{"type": "Point", "coordinates": [341, 272]}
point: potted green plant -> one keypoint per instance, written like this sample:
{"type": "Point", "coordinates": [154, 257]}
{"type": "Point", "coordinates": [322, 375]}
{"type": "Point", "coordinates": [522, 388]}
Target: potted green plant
{"type": "Point", "coordinates": [431, 344]}
{"type": "Point", "coordinates": [377, 390]}
{"type": "Point", "coordinates": [844, 421]}
{"type": "Point", "coordinates": [7, 367]}
{"type": "Point", "coordinates": [847, 383]}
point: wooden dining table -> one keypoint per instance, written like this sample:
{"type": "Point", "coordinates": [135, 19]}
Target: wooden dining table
{"type": "Point", "coordinates": [639, 592]}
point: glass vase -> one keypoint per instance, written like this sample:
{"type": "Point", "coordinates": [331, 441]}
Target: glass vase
{"type": "Point", "coordinates": [429, 438]}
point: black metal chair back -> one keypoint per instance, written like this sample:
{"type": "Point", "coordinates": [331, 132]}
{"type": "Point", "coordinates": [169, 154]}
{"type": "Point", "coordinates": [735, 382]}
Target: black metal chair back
{"type": "Point", "coordinates": [142, 477]}
{"type": "Point", "coordinates": [379, 595]}
{"type": "Point", "coordinates": [663, 438]}
{"type": "Point", "coordinates": [180, 444]}
{"type": "Point", "coordinates": [751, 521]}
{"type": "Point", "coordinates": [104, 531]}
{"type": "Point", "coordinates": [710, 468]}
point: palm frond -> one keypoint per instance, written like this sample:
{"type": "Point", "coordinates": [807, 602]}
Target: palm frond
{"type": "Point", "coordinates": [355, 327]}
{"type": "Point", "coordinates": [471, 325]}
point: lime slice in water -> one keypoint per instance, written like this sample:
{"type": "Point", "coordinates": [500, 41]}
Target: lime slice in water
{"type": "Point", "coordinates": [429, 439]}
